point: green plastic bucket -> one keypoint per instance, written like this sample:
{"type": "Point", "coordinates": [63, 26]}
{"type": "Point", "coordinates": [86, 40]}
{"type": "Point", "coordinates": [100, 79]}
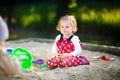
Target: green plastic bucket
{"type": "Point", "coordinates": [24, 57]}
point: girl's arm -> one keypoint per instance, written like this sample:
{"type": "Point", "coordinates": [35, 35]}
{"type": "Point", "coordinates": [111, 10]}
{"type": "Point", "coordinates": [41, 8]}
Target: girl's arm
{"type": "Point", "coordinates": [76, 43]}
{"type": "Point", "coordinates": [54, 47]}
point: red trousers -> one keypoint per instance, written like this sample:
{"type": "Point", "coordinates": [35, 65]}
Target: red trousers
{"type": "Point", "coordinates": [64, 62]}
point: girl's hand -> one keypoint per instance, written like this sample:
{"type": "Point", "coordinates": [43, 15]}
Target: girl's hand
{"type": "Point", "coordinates": [64, 55]}
{"type": "Point", "coordinates": [57, 55]}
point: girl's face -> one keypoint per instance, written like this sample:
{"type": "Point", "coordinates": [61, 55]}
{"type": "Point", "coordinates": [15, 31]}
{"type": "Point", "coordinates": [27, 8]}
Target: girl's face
{"type": "Point", "coordinates": [66, 28]}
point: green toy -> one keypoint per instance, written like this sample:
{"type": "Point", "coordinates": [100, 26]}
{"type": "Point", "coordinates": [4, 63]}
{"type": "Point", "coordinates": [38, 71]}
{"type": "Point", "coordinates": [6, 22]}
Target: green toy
{"type": "Point", "coordinates": [24, 56]}
{"type": "Point", "coordinates": [43, 66]}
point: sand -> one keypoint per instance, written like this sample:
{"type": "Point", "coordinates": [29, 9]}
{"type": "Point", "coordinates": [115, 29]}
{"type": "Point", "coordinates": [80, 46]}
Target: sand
{"type": "Point", "coordinates": [97, 70]}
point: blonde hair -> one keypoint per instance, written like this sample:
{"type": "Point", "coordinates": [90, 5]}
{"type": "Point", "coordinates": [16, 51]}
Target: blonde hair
{"type": "Point", "coordinates": [72, 21]}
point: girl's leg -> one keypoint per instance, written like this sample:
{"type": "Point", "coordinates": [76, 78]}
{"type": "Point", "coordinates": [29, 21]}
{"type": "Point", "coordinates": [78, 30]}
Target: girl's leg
{"type": "Point", "coordinates": [71, 61]}
{"type": "Point", "coordinates": [53, 63]}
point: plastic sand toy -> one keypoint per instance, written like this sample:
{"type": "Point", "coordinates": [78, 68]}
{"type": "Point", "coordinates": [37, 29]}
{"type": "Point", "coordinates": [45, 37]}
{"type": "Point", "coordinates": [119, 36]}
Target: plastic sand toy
{"type": "Point", "coordinates": [9, 50]}
{"type": "Point", "coordinates": [24, 57]}
{"type": "Point", "coordinates": [43, 66]}
{"type": "Point", "coordinates": [39, 61]}
{"type": "Point", "coordinates": [105, 58]}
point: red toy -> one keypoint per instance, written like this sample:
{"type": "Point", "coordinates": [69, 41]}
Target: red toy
{"type": "Point", "coordinates": [105, 58]}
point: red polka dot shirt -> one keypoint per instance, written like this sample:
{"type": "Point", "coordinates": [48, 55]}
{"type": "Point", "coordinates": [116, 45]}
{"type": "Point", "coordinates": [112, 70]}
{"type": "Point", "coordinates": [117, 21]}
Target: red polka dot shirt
{"type": "Point", "coordinates": [64, 45]}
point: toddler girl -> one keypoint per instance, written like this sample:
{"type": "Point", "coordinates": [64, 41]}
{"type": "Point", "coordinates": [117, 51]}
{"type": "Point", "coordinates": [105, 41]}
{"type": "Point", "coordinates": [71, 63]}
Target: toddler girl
{"type": "Point", "coordinates": [66, 48]}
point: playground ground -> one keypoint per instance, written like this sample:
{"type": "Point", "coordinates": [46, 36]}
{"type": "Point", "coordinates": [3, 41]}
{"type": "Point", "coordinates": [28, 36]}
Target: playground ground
{"type": "Point", "coordinates": [98, 69]}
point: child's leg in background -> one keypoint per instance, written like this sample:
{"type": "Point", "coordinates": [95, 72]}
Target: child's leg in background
{"type": "Point", "coordinates": [2, 44]}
